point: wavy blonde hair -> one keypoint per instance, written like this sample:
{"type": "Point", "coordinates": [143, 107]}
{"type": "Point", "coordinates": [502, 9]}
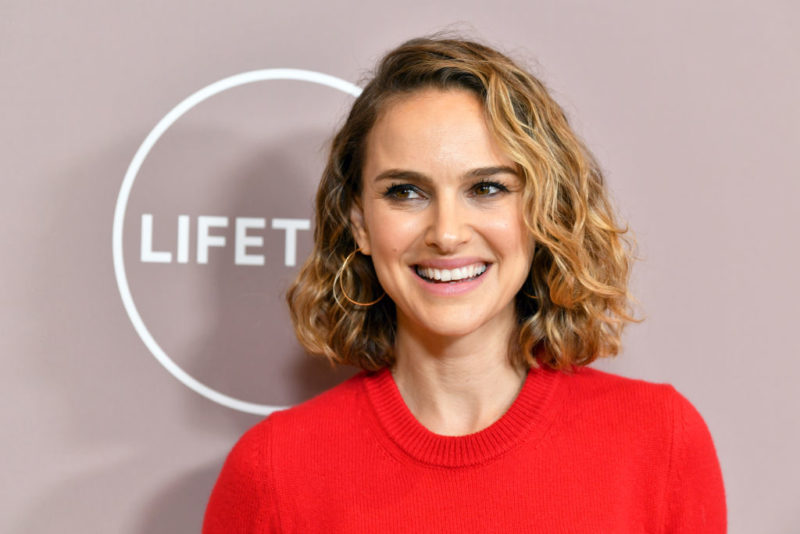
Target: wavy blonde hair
{"type": "Point", "coordinates": [581, 263]}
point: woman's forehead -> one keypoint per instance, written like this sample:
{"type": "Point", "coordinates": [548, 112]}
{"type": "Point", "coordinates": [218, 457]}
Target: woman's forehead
{"type": "Point", "coordinates": [433, 128]}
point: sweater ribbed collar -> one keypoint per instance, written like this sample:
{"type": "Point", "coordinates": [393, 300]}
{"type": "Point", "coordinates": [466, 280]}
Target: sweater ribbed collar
{"type": "Point", "coordinates": [525, 420]}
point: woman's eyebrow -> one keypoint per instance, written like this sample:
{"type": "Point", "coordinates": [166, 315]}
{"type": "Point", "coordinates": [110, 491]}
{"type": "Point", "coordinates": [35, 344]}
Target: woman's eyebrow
{"type": "Point", "coordinates": [484, 172]}
{"type": "Point", "coordinates": [414, 176]}
{"type": "Point", "coordinates": [400, 174]}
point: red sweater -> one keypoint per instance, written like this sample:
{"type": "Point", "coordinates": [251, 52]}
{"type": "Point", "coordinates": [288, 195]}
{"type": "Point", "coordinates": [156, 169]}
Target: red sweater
{"type": "Point", "coordinates": [583, 452]}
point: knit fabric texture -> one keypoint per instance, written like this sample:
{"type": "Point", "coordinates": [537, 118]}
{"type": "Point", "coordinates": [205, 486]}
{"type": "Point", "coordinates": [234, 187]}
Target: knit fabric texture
{"type": "Point", "coordinates": [584, 451]}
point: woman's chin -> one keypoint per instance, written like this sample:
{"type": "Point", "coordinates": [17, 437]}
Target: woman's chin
{"type": "Point", "coordinates": [453, 326]}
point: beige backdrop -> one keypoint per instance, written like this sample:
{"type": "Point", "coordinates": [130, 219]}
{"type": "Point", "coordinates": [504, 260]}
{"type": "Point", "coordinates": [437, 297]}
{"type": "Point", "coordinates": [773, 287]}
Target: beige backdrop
{"type": "Point", "coordinates": [691, 107]}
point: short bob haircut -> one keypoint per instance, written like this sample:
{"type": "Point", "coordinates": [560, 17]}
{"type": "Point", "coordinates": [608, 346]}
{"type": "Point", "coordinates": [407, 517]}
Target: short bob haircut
{"type": "Point", "coordinates": [575, 303]}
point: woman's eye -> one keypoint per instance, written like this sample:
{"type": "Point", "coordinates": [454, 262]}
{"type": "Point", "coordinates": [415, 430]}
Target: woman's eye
{"type": "Point", "coordinates": [486, 189]}
{"type": "Point", "coordinates": [402, 192]}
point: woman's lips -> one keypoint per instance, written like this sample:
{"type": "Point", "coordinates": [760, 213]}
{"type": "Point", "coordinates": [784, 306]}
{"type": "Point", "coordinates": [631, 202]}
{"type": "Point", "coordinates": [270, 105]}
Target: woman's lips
{"type": "Point", "coordinates": [451, 287]}
{"type": "Point", "coordinates": [457, 274]}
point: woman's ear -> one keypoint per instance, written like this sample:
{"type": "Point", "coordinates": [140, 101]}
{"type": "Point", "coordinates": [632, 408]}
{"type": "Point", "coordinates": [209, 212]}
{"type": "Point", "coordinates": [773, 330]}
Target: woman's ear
{"type": "Point", "coordinates": [359, 229]}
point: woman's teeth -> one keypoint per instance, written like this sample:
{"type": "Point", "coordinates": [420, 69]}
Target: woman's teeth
{"type": "Point", "coordinates": [451, 275]}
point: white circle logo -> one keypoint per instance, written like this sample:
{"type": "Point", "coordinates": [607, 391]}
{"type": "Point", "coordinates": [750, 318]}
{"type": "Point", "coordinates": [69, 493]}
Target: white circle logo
{"type": "Point", "coordinates": [122, 201]}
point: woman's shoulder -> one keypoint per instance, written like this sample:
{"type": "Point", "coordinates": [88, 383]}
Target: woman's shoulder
{"type": "Point", "coordinates": [640, 405]}
{"type": "Point", "coordinates": [328, 412]}
{"type": "Point", "coordinates": [331, 404]}
{"type": "Point", "coordinates": [594, 385]}
{"type": "Point", "coordinates": [655, 427]}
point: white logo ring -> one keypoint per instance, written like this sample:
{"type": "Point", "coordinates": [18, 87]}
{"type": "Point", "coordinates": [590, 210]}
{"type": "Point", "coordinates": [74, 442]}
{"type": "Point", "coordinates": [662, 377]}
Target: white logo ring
{"type": "Point", "coordinates": [122, 203]}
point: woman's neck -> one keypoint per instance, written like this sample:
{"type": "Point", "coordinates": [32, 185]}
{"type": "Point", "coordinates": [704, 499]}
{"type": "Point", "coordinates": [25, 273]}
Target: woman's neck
{"type": "Point", "coordinates": [456, 386]}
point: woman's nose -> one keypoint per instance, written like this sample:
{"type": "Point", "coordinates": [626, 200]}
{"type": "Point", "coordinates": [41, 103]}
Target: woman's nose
{"type": "Point", "coordinates": [449, 226]}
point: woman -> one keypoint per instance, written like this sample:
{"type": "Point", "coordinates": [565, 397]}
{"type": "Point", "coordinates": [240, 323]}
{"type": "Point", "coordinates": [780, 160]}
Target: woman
{"type": "Point", "coordinates": [467, 259]}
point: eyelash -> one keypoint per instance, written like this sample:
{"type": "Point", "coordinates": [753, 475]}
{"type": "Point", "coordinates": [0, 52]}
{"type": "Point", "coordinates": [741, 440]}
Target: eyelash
{"type": "Point", "coordinates": [394, 190]}
{"type": "Point", "coordinates": [497, 185]}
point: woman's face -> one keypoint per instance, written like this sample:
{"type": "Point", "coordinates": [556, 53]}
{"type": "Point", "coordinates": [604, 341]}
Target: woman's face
{"type": "Point", "coordinates": [441, 215]}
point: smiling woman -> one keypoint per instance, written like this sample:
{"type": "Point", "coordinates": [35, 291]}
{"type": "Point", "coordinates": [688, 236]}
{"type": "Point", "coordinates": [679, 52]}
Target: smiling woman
{"type": "Point", "coordinates": [440, 199]}
{"type": "Point", "coordinates": [467, 258]}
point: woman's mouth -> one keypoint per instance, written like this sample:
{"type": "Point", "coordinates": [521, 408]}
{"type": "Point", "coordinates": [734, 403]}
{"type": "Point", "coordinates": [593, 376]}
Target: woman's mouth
{"type": "Point", "coordinates": [460, 274]}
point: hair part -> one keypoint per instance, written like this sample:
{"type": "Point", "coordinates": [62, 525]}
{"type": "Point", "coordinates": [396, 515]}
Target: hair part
{"type": "Point", "coordinates": [582, 259]}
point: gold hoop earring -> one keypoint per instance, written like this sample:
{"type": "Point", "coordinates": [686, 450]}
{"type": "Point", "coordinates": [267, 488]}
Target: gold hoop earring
{"type": "Point", "coordinates": [522, 290]}
{"type": "Point", "coordinates": [338, 280]}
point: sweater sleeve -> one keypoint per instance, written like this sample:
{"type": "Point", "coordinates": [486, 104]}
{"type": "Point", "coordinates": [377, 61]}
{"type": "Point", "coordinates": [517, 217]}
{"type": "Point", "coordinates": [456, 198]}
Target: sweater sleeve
{"type": "Point", "coordinates": [695, 495]}
{"type": "Point", "coordinates": [242, 500]}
